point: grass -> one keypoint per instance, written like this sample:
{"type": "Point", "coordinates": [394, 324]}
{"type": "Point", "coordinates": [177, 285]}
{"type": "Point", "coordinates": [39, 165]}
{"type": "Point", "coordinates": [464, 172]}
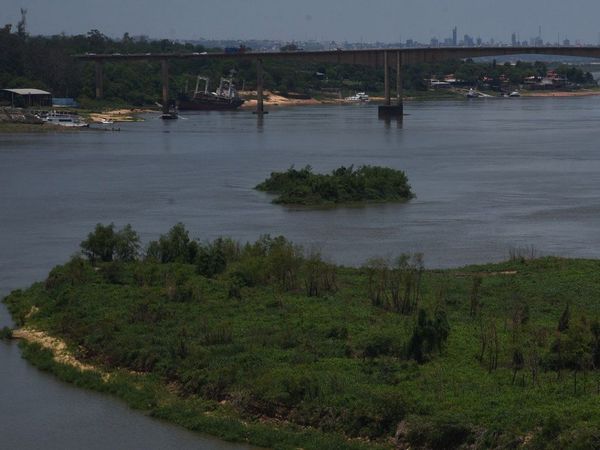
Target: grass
{"type": "Point", "coordinates": [287, 367]}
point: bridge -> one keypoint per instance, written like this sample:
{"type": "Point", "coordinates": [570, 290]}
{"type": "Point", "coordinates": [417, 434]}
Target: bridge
{"type": "Point", "coordinates": [387, 59]}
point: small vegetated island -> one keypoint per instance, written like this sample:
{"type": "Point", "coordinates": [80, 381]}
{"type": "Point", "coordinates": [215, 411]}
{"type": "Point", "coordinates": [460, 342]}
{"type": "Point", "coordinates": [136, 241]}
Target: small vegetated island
{"type": "Point", "coordinates": [266, 343]}
{"type": "Point", "coordinates": [345, 185]}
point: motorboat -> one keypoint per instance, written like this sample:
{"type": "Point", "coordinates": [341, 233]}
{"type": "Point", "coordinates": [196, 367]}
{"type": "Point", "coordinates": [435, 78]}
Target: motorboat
{"type": "Point", "coordinates": [472, 93]}
{"type": "Point", "coordinates": [515, 94]}
{"type": "Point", "coordinates": [359, 97]}
{"type": "Point", "coordinates": [65, 119]}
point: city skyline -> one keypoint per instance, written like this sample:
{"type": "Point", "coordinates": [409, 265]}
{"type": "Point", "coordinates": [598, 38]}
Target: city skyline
{"type": "Point", "coordinates": [351, 21]}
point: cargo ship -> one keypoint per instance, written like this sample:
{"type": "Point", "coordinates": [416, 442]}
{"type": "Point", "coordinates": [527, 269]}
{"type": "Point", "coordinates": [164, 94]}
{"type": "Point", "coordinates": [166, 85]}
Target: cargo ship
{"type": "Point", "coordinates": [225, 97]}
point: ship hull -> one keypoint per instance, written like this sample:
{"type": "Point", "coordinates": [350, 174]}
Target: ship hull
{"type": "Point", "coordinates": [209, 104]}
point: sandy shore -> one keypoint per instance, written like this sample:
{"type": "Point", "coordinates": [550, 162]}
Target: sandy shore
{"type": "Point", "coordinates": [581, 93]}
{"type": "Point", "coordinates": [119, 115]}
{"type": "Point", "coordinates": [55, 345]}
{"type": "Point", "coordinates": [271, 99]}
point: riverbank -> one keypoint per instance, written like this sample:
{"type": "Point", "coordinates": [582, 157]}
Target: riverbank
{"type": "Point", "coordinates": [272, 99]}
{"type": "Point", "coordinates": [276, 100]}
{"type": "Point", "coordinates": [163, 401]}
{"type": "Point", "coordinates": [57, 347]}
{"type": "Point", "coordinates": [92, 117]}
{"type": "Point", "coordinates": [19, 128]}
{"type": "Point", "coordinates": [579, 93]}
{"type": "Point", "coordinates": [119, 115]}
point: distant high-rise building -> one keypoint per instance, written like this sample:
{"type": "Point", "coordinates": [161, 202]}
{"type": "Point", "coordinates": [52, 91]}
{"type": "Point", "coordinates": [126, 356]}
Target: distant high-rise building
{"type": "Point", "coordinates": [435, 42]}
{"type": "Point", "coordinates": [513, 39]}
{"type": "Point", "coordinates": [468, 41]}
{"type": "Point", "coordinates": [455, 36]}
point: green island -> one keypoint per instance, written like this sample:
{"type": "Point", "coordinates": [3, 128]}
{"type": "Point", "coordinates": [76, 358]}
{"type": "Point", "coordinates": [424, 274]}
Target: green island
{"type": "Point", "coordinates": [269, 344]}
{"type": "Point", "coordinates": [344, 185]}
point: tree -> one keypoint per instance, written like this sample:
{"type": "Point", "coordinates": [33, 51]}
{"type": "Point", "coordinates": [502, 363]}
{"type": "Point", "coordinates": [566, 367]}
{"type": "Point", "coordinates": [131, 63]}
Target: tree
{"type": "Point", "coordinates": [490, 344]}
{"type": "Point", "coordinates": [428, 336]}
{"type": "Point", "coordinates": [377, 271]}
{"type": "Point", "coordinates": [563, 322]}
{"type": "Point", "coordinates": [475, 303]}
{"type": "Point", "coordinates": [175, 246]}
{"type": "Point", "coordinates": [127, 245]}
{"type": "Point", "coordinates": [577, 350]}
{"type": "Point", "coordinates": [21, 26]}
{"type": "Point", "coordinates": [518, 362]}
{"type": "Point", "coordinates": [210, 259]}
{"type": "Point", "coordinates": [100, 244]}
{"type": "Point", "coordinates": [105, 244]}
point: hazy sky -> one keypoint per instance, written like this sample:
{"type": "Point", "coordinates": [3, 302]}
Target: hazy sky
{"type": "Point", "coordinates": [353, 20]}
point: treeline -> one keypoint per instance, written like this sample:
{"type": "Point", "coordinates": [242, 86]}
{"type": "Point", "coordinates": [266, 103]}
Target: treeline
{"type": "Point", "coordinates": [268, 261]}
{"type": "Point", "coordinates": [342, 185]}
{"type": "Point", "coordinates": [46, 62]}
{"type": "Point", "coordinates": [473, 73]}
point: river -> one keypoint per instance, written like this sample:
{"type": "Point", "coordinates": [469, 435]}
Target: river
{"type": "Point", "coordinates": [489, 175]}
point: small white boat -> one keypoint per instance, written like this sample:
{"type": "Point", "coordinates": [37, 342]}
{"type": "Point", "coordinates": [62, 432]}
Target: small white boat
{"type": "Point", "coordinates": [476, 94]}
{"type": "Point", "coordinates": [170, 115]}
{"type": "Point", "coordinates": [359, 97]}
{"type": "Point", "coordinates": [65, 119]}
{"type": "Point", "coordinates": [107, 121]}
{"type": "Point", "coordinates": [515, 94]}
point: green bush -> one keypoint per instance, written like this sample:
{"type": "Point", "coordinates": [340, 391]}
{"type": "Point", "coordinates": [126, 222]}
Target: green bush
{"type": "Point", "coordinates": [343, 185]}
{"type": "Point", "coordinates": [6, 333]}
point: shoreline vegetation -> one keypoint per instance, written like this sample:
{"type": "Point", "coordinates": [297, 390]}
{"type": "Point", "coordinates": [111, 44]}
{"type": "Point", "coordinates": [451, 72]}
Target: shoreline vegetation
{"type": "Point", "coordinates": [269, 344]}
{"type": "Point", "coordinates": [132, 113]}
{"type": "Point", "coordinates": [343, 186]}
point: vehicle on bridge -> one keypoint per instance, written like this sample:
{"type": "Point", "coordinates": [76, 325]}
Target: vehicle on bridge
{"type": "Point", "coordinates": [236, 50]}
{"type": "Point", "coordinates": [290, 48]}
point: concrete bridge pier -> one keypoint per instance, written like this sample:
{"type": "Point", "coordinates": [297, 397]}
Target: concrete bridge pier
{"type": "Point", "coordinates": [99, 90]}
{"type": "Point", "coordinates": [164, 66]}
{"type": "Point", "coordinates": [260, 105]}
{"type": "Point", "coordinates": [387, 109]}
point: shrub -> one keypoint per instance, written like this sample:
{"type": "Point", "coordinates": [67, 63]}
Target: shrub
{"type": "Point", "coordinates": [343, 185]}
{"type": "Point", "coordinates": [6, 333]}
{"type": "Point", "coordinates": [105, 244]}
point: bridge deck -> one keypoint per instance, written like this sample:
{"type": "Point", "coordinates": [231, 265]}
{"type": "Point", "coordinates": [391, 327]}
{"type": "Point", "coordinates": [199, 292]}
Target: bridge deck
{"type": "Point", "coordinates": [368, 57]}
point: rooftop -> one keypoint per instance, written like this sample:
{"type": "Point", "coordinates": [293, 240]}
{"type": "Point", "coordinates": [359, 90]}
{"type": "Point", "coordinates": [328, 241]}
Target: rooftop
{"type": "Point", "coordinates": [27, 91]}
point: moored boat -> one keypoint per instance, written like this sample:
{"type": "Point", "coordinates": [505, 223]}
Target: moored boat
{"type": "Point", "coordinates": [225, 97]}
{"type": "Point", "coordinates": [65, 119]}
{"type": "Point", "coordinates": [359, 97]}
